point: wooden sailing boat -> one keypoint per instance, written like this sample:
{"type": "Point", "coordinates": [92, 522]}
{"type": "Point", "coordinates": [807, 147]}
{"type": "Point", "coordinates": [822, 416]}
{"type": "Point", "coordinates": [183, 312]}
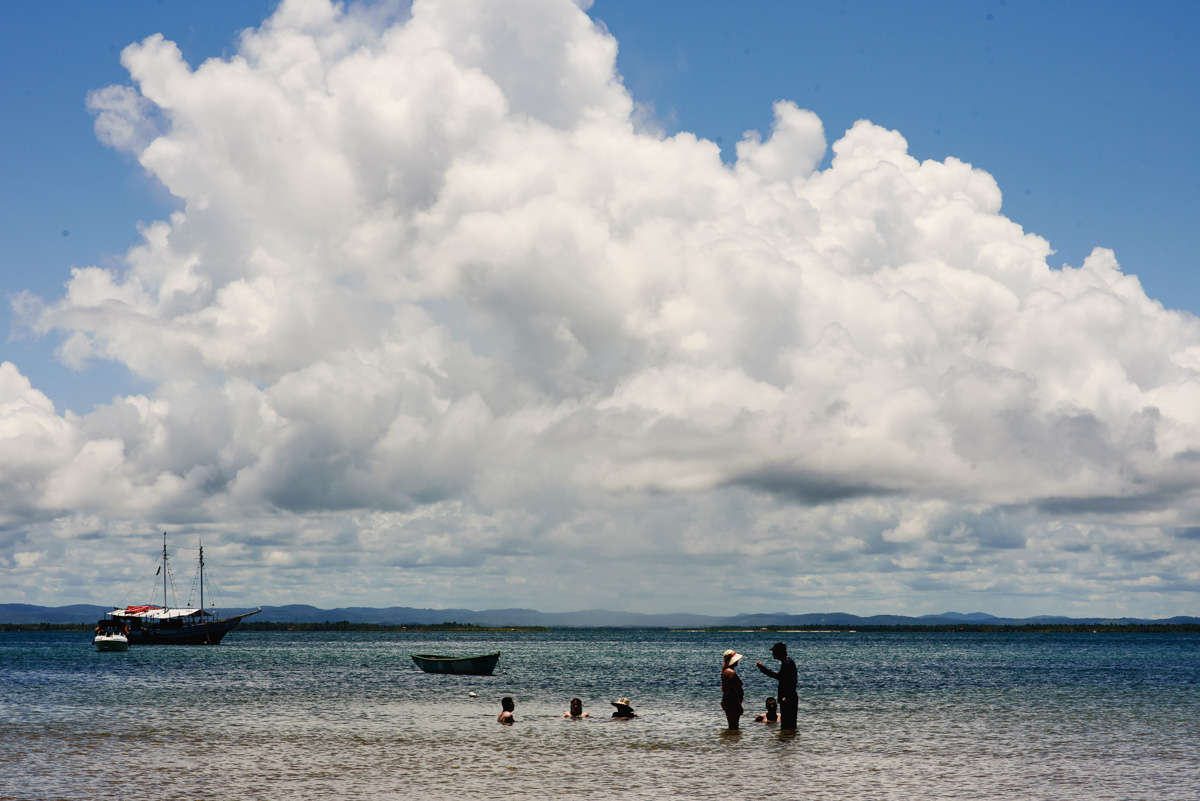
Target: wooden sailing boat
{"type": "Point", "coordinates": [149, 624]}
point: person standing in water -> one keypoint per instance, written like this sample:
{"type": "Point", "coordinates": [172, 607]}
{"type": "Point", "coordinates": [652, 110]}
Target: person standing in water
{"type": "Point", "coordinates": [786, 676]}
{"type": "Point", "coordinates": [731, 688]}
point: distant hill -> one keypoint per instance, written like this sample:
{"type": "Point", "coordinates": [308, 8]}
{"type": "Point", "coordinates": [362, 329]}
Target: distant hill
{"type": "Point", "coordinates": [590, 618]}
{"type": "Point", "coordinates": [28, 613]}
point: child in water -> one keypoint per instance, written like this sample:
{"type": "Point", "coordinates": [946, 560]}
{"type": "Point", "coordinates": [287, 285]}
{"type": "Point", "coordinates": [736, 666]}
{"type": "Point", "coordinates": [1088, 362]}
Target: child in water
{"type": "Point", "coordinates": [771, 715]}
{"type": "Point", "coordinates": [506, 711]}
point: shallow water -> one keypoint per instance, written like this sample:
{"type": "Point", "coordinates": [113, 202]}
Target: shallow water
{"type": "Point", "coordinates": [285, 715]}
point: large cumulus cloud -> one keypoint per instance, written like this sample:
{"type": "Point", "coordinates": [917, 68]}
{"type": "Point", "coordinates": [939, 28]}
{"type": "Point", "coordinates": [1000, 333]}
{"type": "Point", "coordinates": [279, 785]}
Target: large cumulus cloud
{"type": "Point", "coordinates": [435, 303]}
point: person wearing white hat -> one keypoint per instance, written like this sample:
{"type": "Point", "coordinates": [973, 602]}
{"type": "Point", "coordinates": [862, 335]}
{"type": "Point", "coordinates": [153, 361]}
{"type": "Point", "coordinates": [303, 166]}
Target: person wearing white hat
{"type": "Point", "coordinates": [731, 688]}
{"type": "Point", "coordinates": [624, 709]}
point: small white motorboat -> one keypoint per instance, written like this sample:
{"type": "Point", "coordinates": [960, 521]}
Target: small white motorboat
{"type": "Point", "coordinates": [110, 638]}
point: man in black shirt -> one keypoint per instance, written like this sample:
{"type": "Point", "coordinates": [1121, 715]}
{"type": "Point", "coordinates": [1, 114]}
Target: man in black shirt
{"type": "Point", "coordinates": [787, 686]}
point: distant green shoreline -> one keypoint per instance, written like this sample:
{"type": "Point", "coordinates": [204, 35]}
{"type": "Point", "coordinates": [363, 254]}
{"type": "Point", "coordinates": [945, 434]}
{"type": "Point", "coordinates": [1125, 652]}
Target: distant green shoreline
{"type": "Point", "coordinates": [1027, 628]}
{"type": "Point", "coordinates": [345, 625]}
{"type": "Point", "coordinates": [266, 625]}
{"type": "Point", "coordinates": [1030, 628]}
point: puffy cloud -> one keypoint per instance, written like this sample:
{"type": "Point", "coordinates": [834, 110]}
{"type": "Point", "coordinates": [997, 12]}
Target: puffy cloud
{"type": "Point", "coordinates": [796, 146]}
{"type": "Point", "coordinates": [434, 295]}
{"type": "Point", "coordinates": [124, 118]}
{"type": "Point", "coordinates": [34, 441]}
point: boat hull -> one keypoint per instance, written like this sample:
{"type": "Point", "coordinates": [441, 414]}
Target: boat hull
{"type": "Point", "coordinates": [150, 624]}
{"type": "Point", "coordinates": [105, 642]}
{"type": "Point", "coordinates": [482, 665]}
{"type": "Point", "coordinates": [167, 633]}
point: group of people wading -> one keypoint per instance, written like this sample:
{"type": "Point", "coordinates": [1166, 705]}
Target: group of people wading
{"type": "Point", "coordinates": [781, 707]}
{"type": "Point", "coordinates": [732, 694]}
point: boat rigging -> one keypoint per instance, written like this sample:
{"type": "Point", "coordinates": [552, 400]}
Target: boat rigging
{"type": "Point", "coordinates": [149, 624]}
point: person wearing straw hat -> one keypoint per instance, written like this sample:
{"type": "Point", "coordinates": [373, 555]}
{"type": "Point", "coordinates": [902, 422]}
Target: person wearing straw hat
{"type": "Point", "coordinates": [731, 688]}
{"type": "Point", "coordinates": [624, 710]}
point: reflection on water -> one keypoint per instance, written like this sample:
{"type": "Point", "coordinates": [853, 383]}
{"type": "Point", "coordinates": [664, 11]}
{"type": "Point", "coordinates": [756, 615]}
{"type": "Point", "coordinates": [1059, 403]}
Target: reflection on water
{"type": "Point", "coordinates": [302, 716]}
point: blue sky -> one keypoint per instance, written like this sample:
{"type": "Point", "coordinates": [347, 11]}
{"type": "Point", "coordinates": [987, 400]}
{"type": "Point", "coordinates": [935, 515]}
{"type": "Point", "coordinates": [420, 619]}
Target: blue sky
{"type": "Point", "coordinates": [1082, 114]}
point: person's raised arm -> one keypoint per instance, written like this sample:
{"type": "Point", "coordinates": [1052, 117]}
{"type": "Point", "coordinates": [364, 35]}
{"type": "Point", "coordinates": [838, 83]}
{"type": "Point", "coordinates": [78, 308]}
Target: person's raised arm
{"type": "Point", "coordinates": [766, 670]}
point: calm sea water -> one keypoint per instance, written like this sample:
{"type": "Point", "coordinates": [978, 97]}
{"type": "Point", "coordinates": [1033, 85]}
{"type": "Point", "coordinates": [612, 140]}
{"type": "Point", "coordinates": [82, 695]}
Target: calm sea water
{"type": "Point", "coordinates": [279, 715]}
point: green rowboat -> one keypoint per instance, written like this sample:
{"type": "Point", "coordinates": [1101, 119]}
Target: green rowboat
{"type": "Point", "coordinates": [481, 665]}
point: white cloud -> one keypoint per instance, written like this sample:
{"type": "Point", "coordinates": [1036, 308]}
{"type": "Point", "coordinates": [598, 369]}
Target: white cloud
{"type": "Point", "coordinates": [796, 146]}
{"type": "Point", "coordinates": [434, 301]}
{"type": "Point", "coordinates": [34, 441]}
{"type": "Point", "coordinates": [124, 118]}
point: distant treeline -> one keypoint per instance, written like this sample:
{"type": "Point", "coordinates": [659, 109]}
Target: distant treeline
{"type": "Point", "coordinates": [47, 626]}
{"type": "Point", "coordinates": [1030, 628]}
{"type": "Point", "coordinates": [345, 625]}
{"type": "Point", "coordinates": [267, 625]}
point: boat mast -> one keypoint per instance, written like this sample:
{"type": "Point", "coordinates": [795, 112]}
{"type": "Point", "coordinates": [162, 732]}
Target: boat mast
{"type": "Point", "coordinates": [164, 570]}
{"type": "Point", "coordinates": [201, 578]}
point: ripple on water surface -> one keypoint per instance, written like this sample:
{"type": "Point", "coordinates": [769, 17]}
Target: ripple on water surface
{"type": "Point", "coordinates": [300, 716]}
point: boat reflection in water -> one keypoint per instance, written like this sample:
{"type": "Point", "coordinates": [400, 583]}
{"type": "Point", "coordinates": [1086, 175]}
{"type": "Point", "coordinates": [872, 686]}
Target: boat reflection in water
{"type": "Point", "coordinates": [150, 624]}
